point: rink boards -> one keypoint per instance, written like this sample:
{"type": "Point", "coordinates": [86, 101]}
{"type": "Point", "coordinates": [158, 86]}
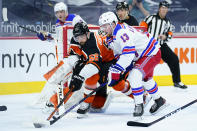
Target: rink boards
{"type": "Point", "coordinates": [23, 61]}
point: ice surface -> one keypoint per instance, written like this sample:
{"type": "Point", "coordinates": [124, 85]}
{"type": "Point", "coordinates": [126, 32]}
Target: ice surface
{"type": "Point", "coordinates": [19, 115]}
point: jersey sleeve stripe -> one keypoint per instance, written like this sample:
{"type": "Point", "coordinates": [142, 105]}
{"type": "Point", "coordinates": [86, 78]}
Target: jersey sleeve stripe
{"type": "Point", "coordinates": [150, 48]}
{"type": "Point", "coordinates": [128, 50]}
{"type": "Point", "coordinates": [119, 67]}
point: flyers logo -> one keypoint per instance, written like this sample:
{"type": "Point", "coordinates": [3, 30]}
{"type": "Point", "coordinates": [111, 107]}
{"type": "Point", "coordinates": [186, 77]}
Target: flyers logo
{"type": "Point", "coordinates": [94, 57]}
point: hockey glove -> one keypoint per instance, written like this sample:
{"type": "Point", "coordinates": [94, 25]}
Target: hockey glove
{"type": "Point", "coordinates": [114, 75]}
{"type": "Point", "coordinates": [42, 35]}
{"type": "Point", "coordinates": [76, 83]}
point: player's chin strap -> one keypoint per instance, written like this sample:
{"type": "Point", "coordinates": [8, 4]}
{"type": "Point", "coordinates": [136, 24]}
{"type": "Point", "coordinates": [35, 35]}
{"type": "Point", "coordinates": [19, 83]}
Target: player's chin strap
{"type": "Point", "coordinates": [112, 26]}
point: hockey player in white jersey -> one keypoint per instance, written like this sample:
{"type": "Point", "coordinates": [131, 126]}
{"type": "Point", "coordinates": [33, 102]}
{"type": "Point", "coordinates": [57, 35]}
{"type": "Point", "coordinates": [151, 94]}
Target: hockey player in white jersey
{"type": "Point", "coordinates": [131, 45]}
{"type": "Point", "coordinates": [63, 19]}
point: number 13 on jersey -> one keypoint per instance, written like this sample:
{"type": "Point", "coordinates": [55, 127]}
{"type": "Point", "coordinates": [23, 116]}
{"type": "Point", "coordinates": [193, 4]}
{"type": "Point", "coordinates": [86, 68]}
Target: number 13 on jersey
{"type": "Point", "coordinates": [124, 37]}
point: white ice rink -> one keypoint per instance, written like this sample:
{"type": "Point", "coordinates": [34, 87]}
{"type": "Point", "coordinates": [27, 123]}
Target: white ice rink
{"type": "Point", "coordinates": [19, 115]}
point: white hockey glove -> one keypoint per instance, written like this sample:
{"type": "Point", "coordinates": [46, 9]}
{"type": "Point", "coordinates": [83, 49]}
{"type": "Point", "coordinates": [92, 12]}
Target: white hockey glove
{"type": "Point", "coordinates": [114, 75]}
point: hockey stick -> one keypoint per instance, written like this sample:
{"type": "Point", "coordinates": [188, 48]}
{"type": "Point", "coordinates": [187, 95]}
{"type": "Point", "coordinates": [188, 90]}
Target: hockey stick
{"type": "Point", "coordinates": [40, 125]}
{"type": "Point", "coordinates": [51, 115]}
{"type": "Point", "coordinates": [139, 124]}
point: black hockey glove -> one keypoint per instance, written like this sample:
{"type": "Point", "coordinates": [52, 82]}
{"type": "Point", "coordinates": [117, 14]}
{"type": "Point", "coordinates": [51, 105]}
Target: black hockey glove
{"type": "Point", "coordinates": [76, 82]}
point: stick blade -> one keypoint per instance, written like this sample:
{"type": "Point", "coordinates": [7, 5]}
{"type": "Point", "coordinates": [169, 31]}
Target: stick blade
{"type": "Point", "coordinates": [40, 122]}
{"type": "Point", "coordinates": [38, 125]}
{"type": "Point", "coordinates": [133, 123]}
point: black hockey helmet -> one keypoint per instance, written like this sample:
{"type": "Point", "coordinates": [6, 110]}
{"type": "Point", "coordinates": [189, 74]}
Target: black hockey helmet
{"type": "Point", "coordinates": [164, 3]}
{"type": "Point", "coordinates": [122, 5]}
{"type": "Point", "coordinates": [80, 29]}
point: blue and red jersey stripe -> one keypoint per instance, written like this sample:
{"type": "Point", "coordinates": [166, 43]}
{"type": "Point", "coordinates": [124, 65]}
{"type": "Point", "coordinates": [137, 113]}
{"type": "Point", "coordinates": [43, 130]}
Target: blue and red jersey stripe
{"type": "Point", "coordinates": [150, 47]}
{"type": "Point", "coordinates": [128, 50]}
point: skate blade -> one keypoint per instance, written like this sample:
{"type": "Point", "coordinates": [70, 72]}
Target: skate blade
{"type": "Point", "coordinates": [82, 116]}
{"type": "Point", "coordinates": [137, 118]}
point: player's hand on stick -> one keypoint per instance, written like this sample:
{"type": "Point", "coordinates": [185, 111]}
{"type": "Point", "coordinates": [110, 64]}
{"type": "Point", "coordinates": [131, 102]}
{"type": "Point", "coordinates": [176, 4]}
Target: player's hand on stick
{"type": "Point", "coordinates": [114, 75]}
{"type": "Point", "coordinates": [76, 83]}
{"type": "Point", "coordinates": [42, 35]}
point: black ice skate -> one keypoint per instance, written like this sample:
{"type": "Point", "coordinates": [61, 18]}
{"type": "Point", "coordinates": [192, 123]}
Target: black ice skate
{"type": "Point", "coordinates": [83, 110]}
{"type": "Point", "coordinates": [159, 104]}
{"type": "Point", "coordinates": [180, 85]}
{"type": "Point", "coordinates": [139, 110]}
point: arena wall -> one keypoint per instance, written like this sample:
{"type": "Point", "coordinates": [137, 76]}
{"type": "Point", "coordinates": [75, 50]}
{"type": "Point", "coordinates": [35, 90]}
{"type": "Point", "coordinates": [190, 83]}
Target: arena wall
{"type": "Point", "coordinates": [23, 61]}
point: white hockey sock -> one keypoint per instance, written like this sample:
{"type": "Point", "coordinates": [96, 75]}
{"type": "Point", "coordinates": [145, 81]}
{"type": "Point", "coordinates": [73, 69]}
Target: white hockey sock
{"type": "Point", "coordinates": [152, 88]}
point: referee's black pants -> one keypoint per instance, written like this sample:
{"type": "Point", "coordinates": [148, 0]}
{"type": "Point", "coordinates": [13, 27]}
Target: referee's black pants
{"type": "Point", "coordinates": [172, 61]}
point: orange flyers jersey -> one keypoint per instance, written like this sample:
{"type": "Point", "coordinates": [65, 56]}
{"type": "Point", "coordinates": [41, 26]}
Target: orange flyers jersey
{"type": "Point", "coordinates": [93, 51]}
{"type": "Point", "coordinates": [106, 53]}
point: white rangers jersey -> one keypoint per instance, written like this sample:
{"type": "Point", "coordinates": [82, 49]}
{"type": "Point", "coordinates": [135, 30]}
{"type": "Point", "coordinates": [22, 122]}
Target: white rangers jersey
{"type": "Point", "coordinates": [131, 44]}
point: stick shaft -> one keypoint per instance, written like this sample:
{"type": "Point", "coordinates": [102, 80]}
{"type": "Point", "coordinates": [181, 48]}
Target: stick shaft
{"type": "Point", "coordinates": [75, 105]}
{"type": "Point", "coordinates": [61, 102]}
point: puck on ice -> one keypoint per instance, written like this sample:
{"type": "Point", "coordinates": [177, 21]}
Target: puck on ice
{"type": "Point", "coordinates": [3, 108]}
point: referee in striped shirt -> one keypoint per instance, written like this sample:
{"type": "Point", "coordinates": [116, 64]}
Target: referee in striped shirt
{"type": "Point", "coordinates": [161, 29]}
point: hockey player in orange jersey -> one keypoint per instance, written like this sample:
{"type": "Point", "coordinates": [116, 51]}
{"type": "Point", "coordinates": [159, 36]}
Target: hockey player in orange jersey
{"type": "Point", "coordinates": [95, 55]}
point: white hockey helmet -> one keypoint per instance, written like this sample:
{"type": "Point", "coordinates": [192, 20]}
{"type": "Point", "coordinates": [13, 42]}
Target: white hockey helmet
{"type": "Point", "coordinates": [60, 6]}
{"type": "Point", "coordinates": [107, 18]}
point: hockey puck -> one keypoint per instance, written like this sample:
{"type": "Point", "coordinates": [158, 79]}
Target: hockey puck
{"type": "Point", "coordinates": [3, 108]}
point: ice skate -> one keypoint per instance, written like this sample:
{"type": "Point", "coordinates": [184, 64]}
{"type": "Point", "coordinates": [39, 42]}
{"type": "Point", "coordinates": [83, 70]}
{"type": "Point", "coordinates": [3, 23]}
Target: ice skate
{"type": "Point", "coordinates": [159, 104]}
{"type": "Point", "coordinates": [180, 85]}
{"type": "Point", "coordinates": [49, 107]}
{"type": "Point", "coordinates": [139, 110]}
{"type": "Point", "coordinates": [83, 110]}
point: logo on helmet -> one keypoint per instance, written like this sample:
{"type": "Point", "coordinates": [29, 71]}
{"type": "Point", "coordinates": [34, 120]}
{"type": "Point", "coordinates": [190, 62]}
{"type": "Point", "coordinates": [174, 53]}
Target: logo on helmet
{"type": "Point", "coordinates": [80, 29]}
{"type": "Point", "coordinates": [122, 5]}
